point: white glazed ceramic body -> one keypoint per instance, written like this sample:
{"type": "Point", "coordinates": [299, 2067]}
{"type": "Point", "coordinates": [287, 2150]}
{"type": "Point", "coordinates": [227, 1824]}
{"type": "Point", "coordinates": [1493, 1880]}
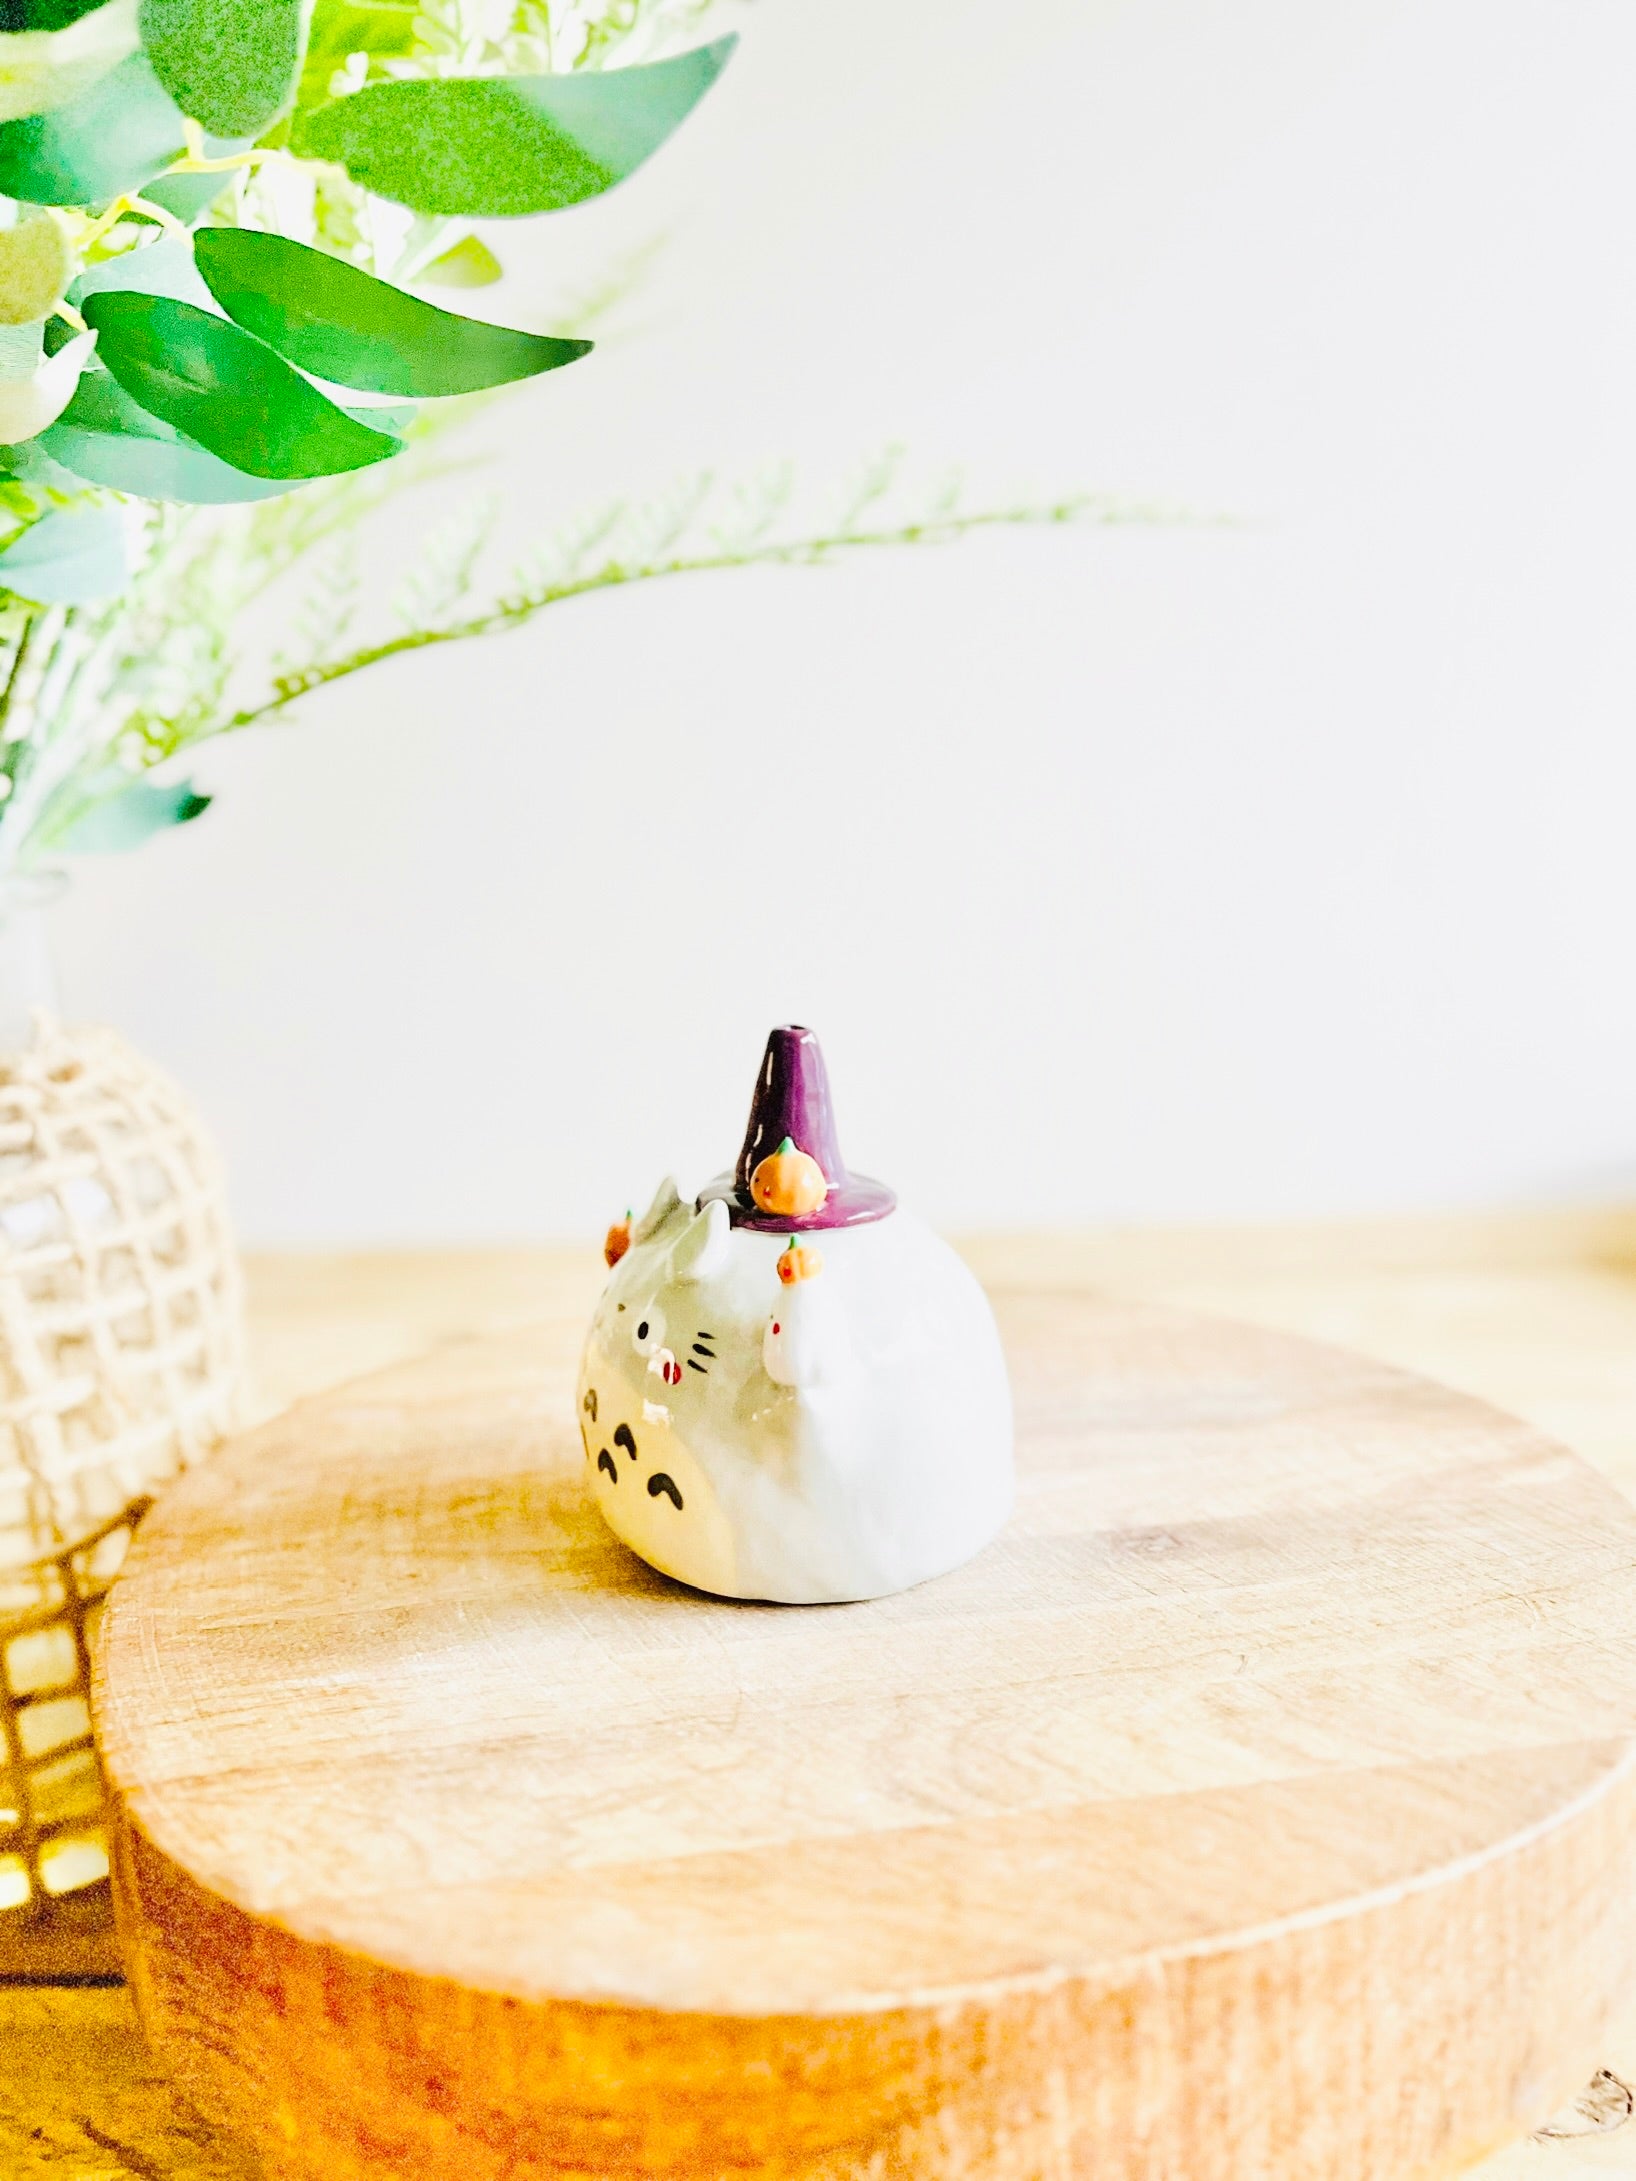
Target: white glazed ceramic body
{"type": "Point", "coordinates": [839, 1438]}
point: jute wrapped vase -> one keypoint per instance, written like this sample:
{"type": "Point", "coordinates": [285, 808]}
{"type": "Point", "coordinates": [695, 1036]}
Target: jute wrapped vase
{"type": "Point", "coordinates": [121, 1361]}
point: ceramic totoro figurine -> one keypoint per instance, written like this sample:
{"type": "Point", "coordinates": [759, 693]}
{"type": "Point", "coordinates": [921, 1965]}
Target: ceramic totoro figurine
{"type": "Point", "coordinates": [792, 1389]}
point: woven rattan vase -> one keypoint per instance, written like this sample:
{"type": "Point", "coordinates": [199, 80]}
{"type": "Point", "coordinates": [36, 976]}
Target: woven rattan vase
{"type": "Point", "coordinates": [120, 1363]}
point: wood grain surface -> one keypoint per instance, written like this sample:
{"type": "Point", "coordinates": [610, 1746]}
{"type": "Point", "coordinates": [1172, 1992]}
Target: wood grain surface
{"type": "Point", "coordinates": [83, 2099]}
{"type": "Point", "coordinates": [1262, 1805]}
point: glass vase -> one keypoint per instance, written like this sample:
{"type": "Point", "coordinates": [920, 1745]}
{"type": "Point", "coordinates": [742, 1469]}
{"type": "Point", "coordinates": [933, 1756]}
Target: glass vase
{"type": "Point", "coordinates": [28, 984]}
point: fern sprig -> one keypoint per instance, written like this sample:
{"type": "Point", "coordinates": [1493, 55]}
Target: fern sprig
{"type": "Point", "coordinates": [521, 606]}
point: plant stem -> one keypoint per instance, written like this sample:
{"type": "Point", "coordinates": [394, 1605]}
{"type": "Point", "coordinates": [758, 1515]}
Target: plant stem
{"type": "Point", "coordinates": [17, 658]}
{"type": "Point", "coordinates": [512, 612]}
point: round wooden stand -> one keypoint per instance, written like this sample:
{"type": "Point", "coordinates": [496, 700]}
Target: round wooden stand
{"type": "Point", "coordinates": [1262, 1805]}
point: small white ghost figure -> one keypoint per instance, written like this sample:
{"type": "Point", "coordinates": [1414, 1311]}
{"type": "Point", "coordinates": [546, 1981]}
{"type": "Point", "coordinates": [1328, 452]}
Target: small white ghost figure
{"type": "Point", "coordinates": [837, 1437]}
{"type": "Point", "coordinates": [803, 1345]}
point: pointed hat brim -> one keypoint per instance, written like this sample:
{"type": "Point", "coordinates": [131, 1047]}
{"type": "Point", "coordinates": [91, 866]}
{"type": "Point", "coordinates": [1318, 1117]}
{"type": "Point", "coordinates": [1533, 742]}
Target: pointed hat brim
{"type": "Point", "coordinates": [792, 1100]}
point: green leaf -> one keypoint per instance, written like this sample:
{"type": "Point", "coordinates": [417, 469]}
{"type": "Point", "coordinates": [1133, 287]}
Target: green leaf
{"type": "Point", "coordinates": [43, 14]}
{"type": "Point", "coordinates": [501, 146]}
{"type": "Point", "coordinates": [186, 196]}
{"type": "Point", "coordinates": [68, 557]}
{"type": "Point", "coordinates": [227, 390]}
{"type": "Point", "coordinates": [21, 350]}
{"type": "Point", "coordinates": [106, 439]}
{"type": "Point", "coordinates": [29, 461]}
{"type": "Point", "coordinates": [114, 137]}
{"type": "Point", "coordinates": [339, 28]}
{"type": "Point", "coordinates": [383, 416]}
{"type": "Point", "coordinates": [340, 322]}
{"type": "Point", "coordinates": [36, 265]}
{"type": "Point", "coordinates": [231, 64]}
{"type": "Point", "coordinates": [469, 263]}
{"type": "Point", "coordinates": [162, 267]}
{"type": "Point", "coordinates": [46, 64]}
{"type": "Point", "coordinates": [30, 400]}
{"type": "Point", "coordinates": [122, 818]}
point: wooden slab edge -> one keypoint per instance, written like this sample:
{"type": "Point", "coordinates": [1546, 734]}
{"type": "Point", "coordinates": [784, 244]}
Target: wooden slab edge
{"type": "Point", "coordinates": [1012, 2086]}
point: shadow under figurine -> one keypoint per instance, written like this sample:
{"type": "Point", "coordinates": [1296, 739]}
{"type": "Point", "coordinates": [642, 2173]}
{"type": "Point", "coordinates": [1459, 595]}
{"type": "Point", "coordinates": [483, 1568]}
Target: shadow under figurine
{"type": "Point", "coordinates": [792, 1389]}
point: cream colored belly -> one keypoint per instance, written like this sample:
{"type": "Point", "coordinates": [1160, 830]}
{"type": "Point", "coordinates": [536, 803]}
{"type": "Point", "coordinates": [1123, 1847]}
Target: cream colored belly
{"type": "Point", "coordinates": [692, 1541]}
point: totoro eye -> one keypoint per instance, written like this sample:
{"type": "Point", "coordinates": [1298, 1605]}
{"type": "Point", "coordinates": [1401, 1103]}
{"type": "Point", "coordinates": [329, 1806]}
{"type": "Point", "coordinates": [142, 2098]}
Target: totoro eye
{"type": "Point", "coordinates": [649, 1331]}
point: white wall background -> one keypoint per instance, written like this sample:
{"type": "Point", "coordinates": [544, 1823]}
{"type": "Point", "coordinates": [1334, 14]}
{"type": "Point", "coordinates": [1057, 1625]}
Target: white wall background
{"type": "Point", "coordinates": [1264, 870]}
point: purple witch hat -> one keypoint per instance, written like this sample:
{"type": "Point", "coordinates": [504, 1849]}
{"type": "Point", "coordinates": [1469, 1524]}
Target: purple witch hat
{"type": "Point", "coordinates": [791, 1108]}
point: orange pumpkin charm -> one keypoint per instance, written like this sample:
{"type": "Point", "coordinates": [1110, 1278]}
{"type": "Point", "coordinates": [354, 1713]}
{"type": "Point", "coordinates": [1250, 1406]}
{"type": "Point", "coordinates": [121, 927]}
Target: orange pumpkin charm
{"type": "Point", "coordinates": [800, 1263]}
{"type": "Point", "coordinates": [788, 1183]}
{"type": "Point", "coordinates": [618, 1241]}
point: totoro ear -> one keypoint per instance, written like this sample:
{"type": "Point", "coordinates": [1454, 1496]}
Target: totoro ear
{"type": "Point", "coordinates": [702, 1250]}
{"type": "Point", "coordinates": [664, 1203]}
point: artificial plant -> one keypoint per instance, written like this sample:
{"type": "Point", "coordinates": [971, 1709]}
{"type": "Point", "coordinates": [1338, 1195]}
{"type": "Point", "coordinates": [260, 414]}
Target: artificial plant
{"type": "Point", "coordinates": [179, 324]}
{"type": "Point", "coordinates": [217, 218]}
{"type": "Point", "coordinates": [101, 697]}
{"type": "Point", "coordinates": [213, 214]}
